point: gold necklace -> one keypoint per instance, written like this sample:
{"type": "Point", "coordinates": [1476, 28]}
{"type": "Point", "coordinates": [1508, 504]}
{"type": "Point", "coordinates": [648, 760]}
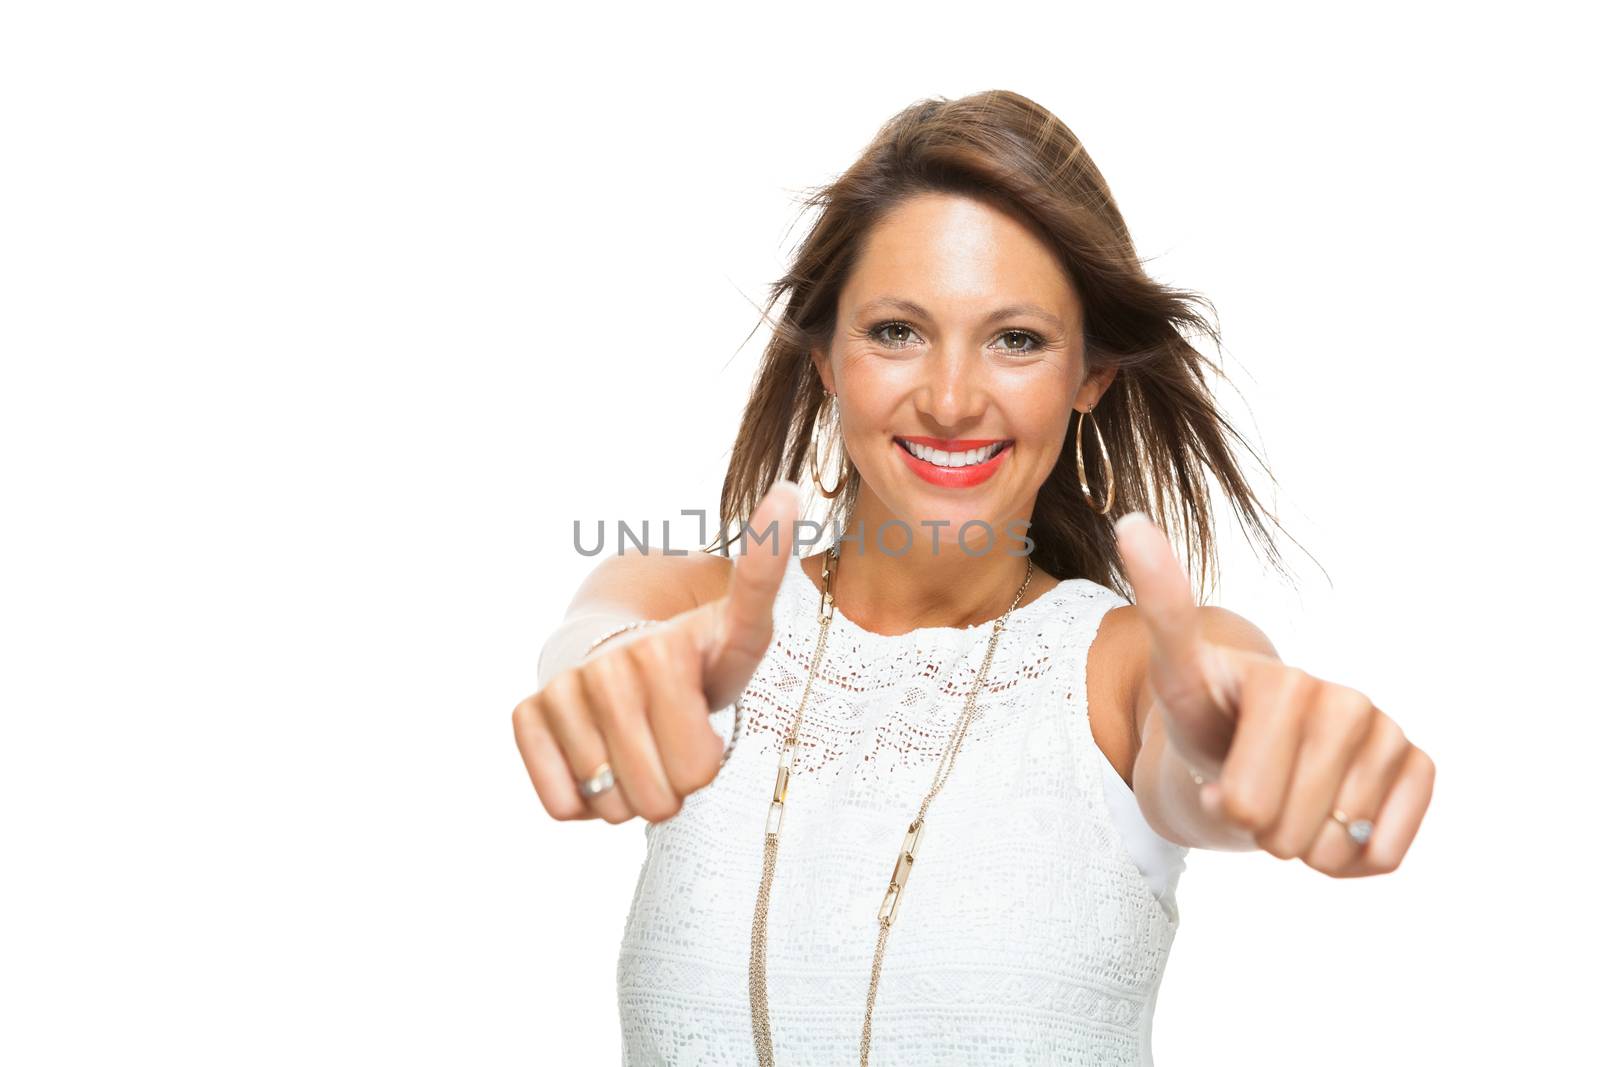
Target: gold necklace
{"type": "Point", "coordinates": [908, 850]}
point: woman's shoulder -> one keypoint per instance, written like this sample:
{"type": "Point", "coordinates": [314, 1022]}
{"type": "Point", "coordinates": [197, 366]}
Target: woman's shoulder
{"type": "Point", "coordinates": [1103, 619]}
{"type": "Point", "coordinates": [1114, 667]}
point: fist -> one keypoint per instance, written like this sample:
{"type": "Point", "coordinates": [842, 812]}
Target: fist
{"type": "Point", "coordinates": [1291, 758]}
{"type": "Point", "coordinates": [642, 701]}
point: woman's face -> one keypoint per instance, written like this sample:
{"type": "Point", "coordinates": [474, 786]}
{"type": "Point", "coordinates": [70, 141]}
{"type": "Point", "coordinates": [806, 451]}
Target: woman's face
{"type": "Point", "coordinates": [957, 361]}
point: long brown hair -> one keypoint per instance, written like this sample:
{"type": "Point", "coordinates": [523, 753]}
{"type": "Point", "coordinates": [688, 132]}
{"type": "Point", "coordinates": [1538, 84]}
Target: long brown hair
{"type": "Point", "coordinates": [1161, 426]}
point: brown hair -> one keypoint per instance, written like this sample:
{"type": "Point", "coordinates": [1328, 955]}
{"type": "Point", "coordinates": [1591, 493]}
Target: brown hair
{"type": "Point", "coordinates": [1161, 426]}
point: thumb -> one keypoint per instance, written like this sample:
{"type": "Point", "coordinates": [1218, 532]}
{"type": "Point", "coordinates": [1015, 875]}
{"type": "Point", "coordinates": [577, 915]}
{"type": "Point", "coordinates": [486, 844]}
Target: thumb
{"type": "Point", "coordinates": [1184, 669]}
{"type": "Point", "coordinates": [739, 627]}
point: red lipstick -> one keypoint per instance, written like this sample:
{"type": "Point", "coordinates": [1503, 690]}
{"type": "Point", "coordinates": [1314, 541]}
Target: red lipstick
{"type": "Point", "coordinates": [954, 477]}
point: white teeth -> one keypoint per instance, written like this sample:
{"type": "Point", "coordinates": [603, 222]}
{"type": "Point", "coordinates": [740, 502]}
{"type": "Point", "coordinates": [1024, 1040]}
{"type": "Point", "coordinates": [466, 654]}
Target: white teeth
{"type": "Point", "coordinates": [954, 459]}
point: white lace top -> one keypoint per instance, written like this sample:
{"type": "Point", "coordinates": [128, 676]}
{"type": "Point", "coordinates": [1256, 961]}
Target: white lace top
{"type": "Point", "coordinates": [1038, 921]}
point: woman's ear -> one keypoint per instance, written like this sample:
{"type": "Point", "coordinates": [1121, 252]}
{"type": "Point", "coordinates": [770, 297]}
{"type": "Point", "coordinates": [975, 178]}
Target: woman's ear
{"type": "Point", "coordinates": [819, 360]}
{"type": "Point", "coordinates": [1094, 387]}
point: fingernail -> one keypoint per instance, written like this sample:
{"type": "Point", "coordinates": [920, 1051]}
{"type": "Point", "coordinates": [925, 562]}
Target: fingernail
{"type": "Point", "coordinates": [1130, 517]}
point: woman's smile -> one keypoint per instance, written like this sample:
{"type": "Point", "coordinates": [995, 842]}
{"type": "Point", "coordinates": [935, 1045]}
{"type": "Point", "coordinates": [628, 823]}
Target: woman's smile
{"type": "Point", "coordinates": [958, 463]}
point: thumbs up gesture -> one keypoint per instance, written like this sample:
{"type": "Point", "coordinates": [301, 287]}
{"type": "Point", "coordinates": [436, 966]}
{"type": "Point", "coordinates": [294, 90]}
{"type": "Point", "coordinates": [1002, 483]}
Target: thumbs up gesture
{"type": "Point", "coordinates": [1310, 768]}
{"type": "Point", "coordinates": [639, 705]}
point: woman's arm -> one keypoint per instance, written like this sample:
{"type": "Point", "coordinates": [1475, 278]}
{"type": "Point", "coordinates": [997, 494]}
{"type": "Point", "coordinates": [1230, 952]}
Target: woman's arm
{"type": "Point", "coordinates": [626, 588]}
{"type": "Point", "coordinates": [639, 707]}
{"type": "Point", "coordinates": [1168, 795]}
{"type": "Point", "coordinates": [1298, 766]}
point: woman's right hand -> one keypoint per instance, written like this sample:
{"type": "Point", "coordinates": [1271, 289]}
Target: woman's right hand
{"type": "Point", "coordinates": [642, 701]}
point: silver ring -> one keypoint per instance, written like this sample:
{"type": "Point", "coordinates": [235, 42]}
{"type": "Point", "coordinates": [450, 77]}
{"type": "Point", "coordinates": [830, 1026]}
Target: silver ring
{"type": "Point", "coordinates": [1359, 830]}
{"type": "Point", "coordinates": [598, 783]}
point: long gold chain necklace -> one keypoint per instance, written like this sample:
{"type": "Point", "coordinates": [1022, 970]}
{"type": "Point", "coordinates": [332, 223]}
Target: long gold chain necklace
{"type": "Point", "coordinates": [908, 850]}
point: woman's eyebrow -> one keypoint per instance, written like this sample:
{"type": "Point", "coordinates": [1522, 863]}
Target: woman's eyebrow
{"type": "Point", "coordinates": [911, 307]}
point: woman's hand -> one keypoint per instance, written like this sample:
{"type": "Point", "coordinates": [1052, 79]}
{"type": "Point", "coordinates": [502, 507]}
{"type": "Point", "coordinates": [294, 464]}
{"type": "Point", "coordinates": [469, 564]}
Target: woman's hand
{"type": "Point", "coordinates": [1281, 749]}
{"type": "Point", "coordinates": [642, 701]}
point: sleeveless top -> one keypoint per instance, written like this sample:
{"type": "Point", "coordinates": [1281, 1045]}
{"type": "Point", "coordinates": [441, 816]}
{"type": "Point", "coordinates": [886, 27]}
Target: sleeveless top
{"type": "Point", "coordinates": [1036, 925]}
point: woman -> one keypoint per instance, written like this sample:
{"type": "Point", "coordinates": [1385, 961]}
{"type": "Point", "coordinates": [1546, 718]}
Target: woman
{"type": "Point", "coordinates": [958, 685]}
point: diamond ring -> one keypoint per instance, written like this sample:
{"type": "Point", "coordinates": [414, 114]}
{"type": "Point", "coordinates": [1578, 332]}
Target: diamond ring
{"type": "Point", "coordinates": [1359, 830]}
{"type": "Point", "coordinates": [597, 783]}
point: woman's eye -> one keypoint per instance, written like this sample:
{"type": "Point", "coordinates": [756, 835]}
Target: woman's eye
{"type": "Point", "coordinates": [1024, 335]}
{"type": "Point", "coordinates": [900, 334]}
{"type": "Point", "coordinates": [881, 331]}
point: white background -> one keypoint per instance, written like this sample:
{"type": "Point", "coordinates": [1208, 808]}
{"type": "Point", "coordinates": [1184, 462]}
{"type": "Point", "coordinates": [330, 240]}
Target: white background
{"type": "Point", "coordinates": [322, 322]}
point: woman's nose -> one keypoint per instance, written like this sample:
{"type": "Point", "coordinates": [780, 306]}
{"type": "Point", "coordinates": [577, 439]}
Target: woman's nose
{"type": "Point", "coordinates": [952, 392]}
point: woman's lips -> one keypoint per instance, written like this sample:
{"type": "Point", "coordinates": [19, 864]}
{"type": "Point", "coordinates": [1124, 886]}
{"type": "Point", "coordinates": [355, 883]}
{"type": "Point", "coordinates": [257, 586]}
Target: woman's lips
{"type": "Point", "coordinates": [953, 477]}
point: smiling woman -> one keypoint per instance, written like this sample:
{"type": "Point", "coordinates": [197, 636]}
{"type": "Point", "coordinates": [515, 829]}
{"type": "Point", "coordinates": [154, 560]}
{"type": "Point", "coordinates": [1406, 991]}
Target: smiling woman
{"type": "Point", "coordinates": [974, 253]}
{"type": "Point", "coordinates": [966, 300]}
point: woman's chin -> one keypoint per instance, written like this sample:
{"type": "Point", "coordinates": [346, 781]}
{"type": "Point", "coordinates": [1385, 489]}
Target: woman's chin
{"type": "Point", "coordinates": [931, 514]}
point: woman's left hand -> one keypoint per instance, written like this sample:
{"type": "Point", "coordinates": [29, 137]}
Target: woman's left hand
{"type": "Point", "coordinates": [1281, 749]}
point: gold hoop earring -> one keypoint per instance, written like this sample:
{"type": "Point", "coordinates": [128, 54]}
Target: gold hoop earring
{"type": "Point", "coordinates": [1105, 465]}
{"type": "Point", "coordinates": [832, 404]}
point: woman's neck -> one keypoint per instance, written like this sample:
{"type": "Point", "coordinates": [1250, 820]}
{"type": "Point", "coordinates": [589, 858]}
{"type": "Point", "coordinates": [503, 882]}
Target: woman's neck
{"type": "Point", "coordinates": [893, 594]}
